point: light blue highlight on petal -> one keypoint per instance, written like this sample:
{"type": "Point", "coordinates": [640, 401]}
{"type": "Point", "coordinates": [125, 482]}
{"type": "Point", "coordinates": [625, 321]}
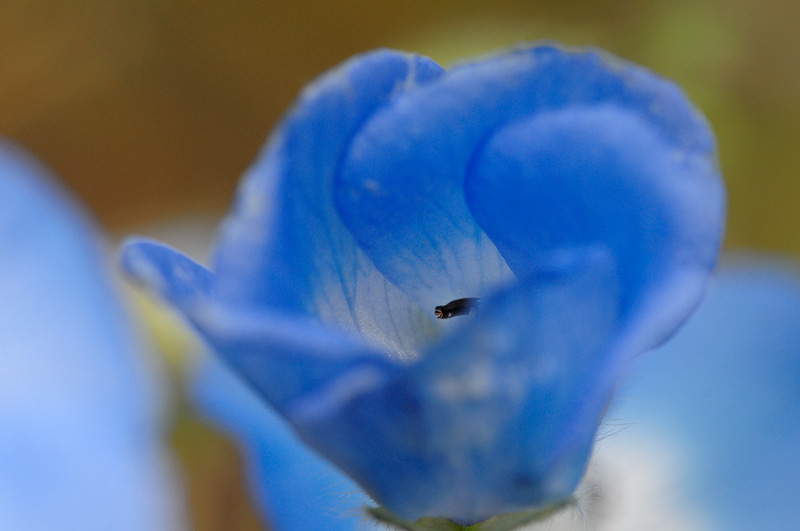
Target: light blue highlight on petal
{"type": "Point", "coordinates": [725, 393]}
{"type": "Point", "coordinates": [79, 430]}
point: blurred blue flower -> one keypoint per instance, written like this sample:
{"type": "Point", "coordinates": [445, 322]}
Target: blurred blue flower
{"type": "Point", "coordinates": [721, 403]}
{"type": "Point", "coordinates": [575, 195]}
{"type": "Point", "coordinates": [80, 437]}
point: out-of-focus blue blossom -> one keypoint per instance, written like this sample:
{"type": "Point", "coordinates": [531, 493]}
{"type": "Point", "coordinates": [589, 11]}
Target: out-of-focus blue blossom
{"type": "Point", "coordinates": [79, 430]}
{"type": "Point", "coordinates": [575, 194]}
{"type": "Point", "coordinates": [722, 402]}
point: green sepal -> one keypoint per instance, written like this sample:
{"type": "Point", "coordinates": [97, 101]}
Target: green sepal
{"type": "Point", "coordinates": [501, 522]}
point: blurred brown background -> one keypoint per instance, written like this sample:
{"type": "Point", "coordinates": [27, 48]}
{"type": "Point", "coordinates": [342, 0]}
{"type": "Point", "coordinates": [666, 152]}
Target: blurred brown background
{"type": "Point", "coordinates": [151, 109]}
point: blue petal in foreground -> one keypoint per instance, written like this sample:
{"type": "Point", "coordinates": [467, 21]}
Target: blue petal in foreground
{"type": "Point", "coordinates": [725, 395]}
{"type": "Point", "coordinates": [294, 487]}
{"type": "Point", "coordinates": [501, 419]}
{"type": "Point", "coordinates": [80, 444]}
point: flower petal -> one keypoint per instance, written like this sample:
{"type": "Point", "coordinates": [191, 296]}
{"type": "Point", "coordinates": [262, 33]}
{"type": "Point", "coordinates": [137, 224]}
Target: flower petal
{"type": "Point", "coordinates": [604, 174]}
{"type": "Point", "coordinates": [170, 274]}
{"type": "Point", "coordinates": [281, 354]}
{"type": "Point", "coordinates": [81, 443]}
{"type": "Point", "coordinates": [294, 487]}
{"type": "Point", "coordinates": [286, 356]}
{"type": "Point", "coordinates": [502, 419]}
{"type": "Point", "coordinates": [284, 245]}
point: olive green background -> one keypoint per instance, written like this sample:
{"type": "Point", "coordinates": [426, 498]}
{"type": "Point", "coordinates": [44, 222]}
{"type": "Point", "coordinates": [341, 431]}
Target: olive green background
{"type": "Point", "coordinates": [151, 109]}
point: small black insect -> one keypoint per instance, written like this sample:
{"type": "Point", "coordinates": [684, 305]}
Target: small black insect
{"type": "Point", "coordinates": [456, 307]}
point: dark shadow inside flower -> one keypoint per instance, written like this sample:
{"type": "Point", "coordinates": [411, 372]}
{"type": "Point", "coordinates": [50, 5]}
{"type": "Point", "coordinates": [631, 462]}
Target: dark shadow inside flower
{"type": "Point", "coordinates": [575, 195]}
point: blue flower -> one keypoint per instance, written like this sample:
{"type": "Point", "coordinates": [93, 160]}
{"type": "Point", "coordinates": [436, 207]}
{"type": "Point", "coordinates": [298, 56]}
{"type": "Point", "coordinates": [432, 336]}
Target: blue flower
{"type": "Point", "coordinates": [80, 438]}
{"type": "Point", "coordinates": [721, 403]}
{"type": "Point", "coordinates": [575, 195]}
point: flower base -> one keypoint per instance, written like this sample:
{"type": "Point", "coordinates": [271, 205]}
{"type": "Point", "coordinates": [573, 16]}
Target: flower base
{"type": "Point", "coordinates": [502, 522]}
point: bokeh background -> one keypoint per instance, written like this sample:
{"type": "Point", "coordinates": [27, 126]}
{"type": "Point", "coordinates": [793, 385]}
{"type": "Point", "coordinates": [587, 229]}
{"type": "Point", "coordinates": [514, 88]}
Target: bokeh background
{"type": "Point", "coordinates": [151, 110]}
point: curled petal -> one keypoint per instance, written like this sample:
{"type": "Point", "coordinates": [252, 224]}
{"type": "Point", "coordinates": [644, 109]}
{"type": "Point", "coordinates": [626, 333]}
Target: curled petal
{"type": "Point", "coordinates": [287, 356]}
{"type": "Point", "coordinates": [605, 174]}
{"type": "Point", "coordinates": [170, 274]}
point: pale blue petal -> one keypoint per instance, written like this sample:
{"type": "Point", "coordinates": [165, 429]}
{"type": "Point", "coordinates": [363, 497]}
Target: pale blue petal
{"type": "Point", "coordinates": [501, 419]}
{"type": "Point", "coordinates": [80, 441]}
{"type": "Point", "coordinates": [284, 245]}
{"type": "Point", "coordinates": [295, 489]}
{"type": "Point", "coordinates": [725, 395]}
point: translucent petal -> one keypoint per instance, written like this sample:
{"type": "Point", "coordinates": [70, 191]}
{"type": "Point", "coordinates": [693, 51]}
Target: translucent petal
{"type": "Point", "coordinates": [502, 419]}
{"type": "Point", "coordinates": [282, 354]}
{"type": "Point", "coordinates": [284, 245]}
{"type": "Point", "coordinates": [80, 443]}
